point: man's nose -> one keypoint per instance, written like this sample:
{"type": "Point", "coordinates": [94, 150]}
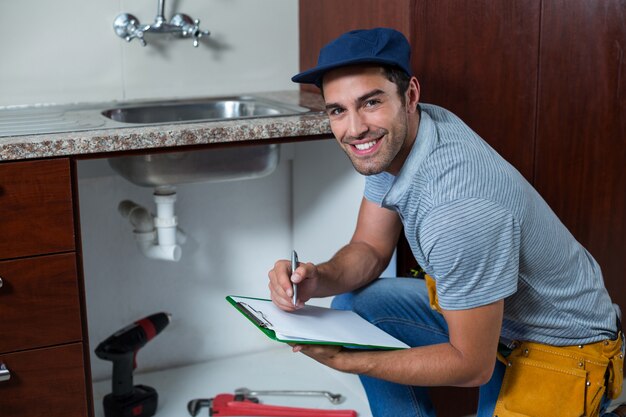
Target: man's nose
{"type": "Point", "coordinates": [356, 125]}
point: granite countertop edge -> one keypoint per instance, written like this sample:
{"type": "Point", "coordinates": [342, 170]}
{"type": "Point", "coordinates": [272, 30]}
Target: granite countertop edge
{"type": "Point", "coordinates": [110, 140]}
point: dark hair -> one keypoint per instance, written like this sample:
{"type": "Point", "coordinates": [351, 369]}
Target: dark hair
{"type": "Point", "coordinates": [399, 78]}
{"type": "Point", "coordinates": [395, 75]}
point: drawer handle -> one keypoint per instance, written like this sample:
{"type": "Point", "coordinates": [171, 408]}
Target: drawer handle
{"type": "Point", "coordinates": [5, 374]}
{"type": "Point", "coordinates": [1, 282]}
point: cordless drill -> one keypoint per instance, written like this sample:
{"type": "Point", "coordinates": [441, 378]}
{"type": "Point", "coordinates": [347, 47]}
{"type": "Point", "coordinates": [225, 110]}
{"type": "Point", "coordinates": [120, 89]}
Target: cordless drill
{"type": "Point", "coordinates": [128, 400]}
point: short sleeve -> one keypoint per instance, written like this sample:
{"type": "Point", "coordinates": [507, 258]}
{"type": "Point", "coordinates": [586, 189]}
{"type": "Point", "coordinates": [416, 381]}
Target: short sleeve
{"type": "Point", "coordinates": [472, 249]}
{"type": "Point", "coordinates": [376, 186]}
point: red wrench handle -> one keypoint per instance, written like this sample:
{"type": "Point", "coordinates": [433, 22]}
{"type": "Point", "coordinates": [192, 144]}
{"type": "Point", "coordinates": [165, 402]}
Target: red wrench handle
{"type": "Point", "coordinates": [225, 405]}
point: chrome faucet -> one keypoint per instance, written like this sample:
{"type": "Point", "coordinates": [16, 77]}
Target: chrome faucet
{"type": "Point", "coordinates": [127, 26]}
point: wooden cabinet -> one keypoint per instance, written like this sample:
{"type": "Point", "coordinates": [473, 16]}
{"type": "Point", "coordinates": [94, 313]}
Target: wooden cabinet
{"type": "Point", "coordinates": [39, 302]}
{"type": "Point", "coordinates": [46, 382]}
{"type": "Point", "coordinates": [41, 336]}
{"type": "Point", "coordinates": [541, 81]}
{"type": "Point", "coordinates": [35, 208]}
{"type": "Point", "coordinates": [580, 164]}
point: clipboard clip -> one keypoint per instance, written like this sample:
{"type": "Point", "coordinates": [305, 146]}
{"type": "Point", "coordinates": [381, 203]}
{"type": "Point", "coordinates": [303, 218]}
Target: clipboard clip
{"type": "Point", "coordinates": [229, 405]}
{"type": "Point", "coordinates": [255, 315]}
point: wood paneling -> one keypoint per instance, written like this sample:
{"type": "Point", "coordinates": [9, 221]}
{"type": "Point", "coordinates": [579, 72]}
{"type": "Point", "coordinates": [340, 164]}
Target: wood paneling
{"type": "Point", "coordinates": [581, 136]}
{"type": "Point", "coordinates": [35, 208]}
{"type": "Point", "coordinates": [478, 59]}
{"type": "Point", "coordinates": [44, 382]}
{"type": "Point", "coordinates": [39, 304]}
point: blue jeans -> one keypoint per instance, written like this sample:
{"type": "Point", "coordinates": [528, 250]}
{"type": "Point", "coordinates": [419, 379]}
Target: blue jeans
{"type": "Point", "coordinates": [400, 306]}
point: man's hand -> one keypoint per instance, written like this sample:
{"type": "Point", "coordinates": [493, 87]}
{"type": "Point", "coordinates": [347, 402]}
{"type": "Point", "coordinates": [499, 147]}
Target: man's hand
{"type": "Point", "coordinates": [329, 355]}
{"type": "Point", "coordinates": [281, 278]}
{"type": "Point", "coordinates": [353, 266]}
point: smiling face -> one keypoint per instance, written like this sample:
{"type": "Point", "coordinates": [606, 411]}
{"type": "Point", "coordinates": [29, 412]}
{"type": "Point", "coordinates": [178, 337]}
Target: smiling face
{"type": "Point", "coordinates": [372, 124]}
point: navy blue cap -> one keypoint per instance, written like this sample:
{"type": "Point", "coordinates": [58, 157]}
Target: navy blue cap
{"type": "Point", "coordinates": [379, 46]}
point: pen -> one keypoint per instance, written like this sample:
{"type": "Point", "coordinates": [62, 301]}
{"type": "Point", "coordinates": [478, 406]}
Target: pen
{"type": "Point", "coordinates": [294, 265]}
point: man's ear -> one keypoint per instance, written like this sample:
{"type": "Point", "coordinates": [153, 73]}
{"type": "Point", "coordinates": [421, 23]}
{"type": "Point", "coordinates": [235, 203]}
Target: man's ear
{"type": "Point", "coordinates": [412, 95]}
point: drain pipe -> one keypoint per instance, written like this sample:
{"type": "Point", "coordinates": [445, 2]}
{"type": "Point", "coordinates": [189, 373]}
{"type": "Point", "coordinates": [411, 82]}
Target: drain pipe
{"type": "Point", "coordinates": [158, 237]}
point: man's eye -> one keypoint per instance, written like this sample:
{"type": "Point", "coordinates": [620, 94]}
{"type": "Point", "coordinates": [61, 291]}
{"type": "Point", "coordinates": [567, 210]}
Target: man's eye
{"type": "Point", "coordinates": [335, 112]}
{"type": "Point", "coordinates": [372, 102]}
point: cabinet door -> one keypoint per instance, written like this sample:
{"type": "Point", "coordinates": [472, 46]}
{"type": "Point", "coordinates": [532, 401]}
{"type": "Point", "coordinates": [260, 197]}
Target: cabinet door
{"type": "Point", "coordinates": [581, 128]}
{"type": "Point", "coordinates": [35, 208]}
{"type": "Point", "coordinates": [479, 59]}
{"type": "Point", "coordinates": [39, 303]}
{"type": "Point", "coordinates": [44, 382]}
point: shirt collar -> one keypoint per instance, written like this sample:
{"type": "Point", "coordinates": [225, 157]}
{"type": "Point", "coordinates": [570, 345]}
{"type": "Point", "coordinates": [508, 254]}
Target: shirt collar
{"type": "Point", "coordinates": [424, 142]}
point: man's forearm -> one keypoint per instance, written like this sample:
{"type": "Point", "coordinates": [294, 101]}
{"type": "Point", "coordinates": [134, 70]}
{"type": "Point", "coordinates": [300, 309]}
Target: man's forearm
{"type": "Point", "coordinates": [467, 359]}
{"type": "Point", "coordinates": [434, 365]}
{"type": "Point", "coordinates": [354, 266]}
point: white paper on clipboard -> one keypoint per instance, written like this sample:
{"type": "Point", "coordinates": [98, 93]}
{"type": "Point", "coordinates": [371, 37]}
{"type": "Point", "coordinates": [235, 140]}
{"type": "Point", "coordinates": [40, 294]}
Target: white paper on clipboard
{"type": "Point", "coordinates": [319, 325]}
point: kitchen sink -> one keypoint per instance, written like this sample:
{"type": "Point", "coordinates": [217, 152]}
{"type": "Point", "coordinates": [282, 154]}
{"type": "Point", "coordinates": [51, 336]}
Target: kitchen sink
{"type": "Point", "coordinates": [154, 170]}
{"type": "Point", "coordinates": [225, 108]}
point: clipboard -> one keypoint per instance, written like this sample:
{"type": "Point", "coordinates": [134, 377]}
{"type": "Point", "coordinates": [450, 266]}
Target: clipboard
{"type": "Point", "coordinates": [314, 325]}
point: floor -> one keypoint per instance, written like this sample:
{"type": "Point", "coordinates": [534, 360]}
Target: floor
{"type": "Point", "coordinates": [274, 369]}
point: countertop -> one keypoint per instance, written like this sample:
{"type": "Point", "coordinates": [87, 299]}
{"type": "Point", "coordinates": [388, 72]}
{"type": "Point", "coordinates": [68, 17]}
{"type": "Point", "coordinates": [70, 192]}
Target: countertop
{"type": "Point", "coordinates": [98, 140]}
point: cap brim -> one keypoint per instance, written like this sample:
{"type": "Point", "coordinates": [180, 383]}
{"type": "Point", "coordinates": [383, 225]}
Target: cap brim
{"type": "Point", "coordinates": [315, 75]}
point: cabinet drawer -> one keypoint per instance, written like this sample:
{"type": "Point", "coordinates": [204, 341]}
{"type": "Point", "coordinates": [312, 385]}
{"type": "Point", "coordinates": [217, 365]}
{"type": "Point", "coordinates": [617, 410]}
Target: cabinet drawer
{"type": "Point", "coordinates": [39, 302]}
{"type": "Point", "coordinates": [44, 382]}
{"type": "Point", "coordinates": [35, 208]}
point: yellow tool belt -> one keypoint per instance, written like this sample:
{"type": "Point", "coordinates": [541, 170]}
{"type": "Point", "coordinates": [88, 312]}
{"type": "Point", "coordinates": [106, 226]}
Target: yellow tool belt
{"type": "Point", "coordinates": [548, 381]}
{"type": "Point", "coordinates": [431, 287]}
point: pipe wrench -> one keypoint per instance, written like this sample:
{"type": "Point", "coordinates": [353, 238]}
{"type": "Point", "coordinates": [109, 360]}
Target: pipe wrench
{"type": "Point", "coordinates": [232, 405]}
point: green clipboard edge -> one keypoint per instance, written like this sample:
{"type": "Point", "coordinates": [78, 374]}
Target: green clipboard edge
{"type": "Point", "coordinates": [269, 333]}
{"type": "Point", "coordinates": [272, 335]}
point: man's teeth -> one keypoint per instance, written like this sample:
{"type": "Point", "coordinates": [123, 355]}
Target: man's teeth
{"type": "Point", "coordinates": [365, 146]}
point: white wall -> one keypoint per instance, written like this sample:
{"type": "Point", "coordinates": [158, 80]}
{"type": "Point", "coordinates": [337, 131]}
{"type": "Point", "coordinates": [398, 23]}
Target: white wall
{"type": "Point", "coordinates": [326, 197]}
{"type": "Point", "coordinates": [66, 51]}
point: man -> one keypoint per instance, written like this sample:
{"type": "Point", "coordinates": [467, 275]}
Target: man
{"type": "Point", "coordinates": [505, 279]}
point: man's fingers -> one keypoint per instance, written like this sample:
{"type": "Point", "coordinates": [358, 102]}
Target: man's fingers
{"type": "Point", "coordinates": [282, 303]}
{"type": "Point", "coordinates": [281, 284]}
{"type": "Point", "coordinates": [281, 287]}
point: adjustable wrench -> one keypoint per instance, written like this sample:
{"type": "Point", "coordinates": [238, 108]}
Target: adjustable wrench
{"type": "Point", "coordinates": [245, 393]}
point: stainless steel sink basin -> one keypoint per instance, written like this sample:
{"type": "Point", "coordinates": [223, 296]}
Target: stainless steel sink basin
{"type": "Point", "coordinates": [153, 170]}
{"type": "Point", "coordinates": [238, 163]}
{"type": "Point", "coordinates": [224, 108]}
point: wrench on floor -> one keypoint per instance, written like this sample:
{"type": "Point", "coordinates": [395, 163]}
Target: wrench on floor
{"type": "Point", "coordinates": [227, 405]}
{"type": "Point", "coordinates": [246, 393]}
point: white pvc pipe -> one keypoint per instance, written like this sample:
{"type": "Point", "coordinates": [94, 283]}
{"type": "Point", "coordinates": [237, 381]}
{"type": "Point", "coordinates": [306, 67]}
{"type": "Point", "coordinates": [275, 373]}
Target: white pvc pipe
{"type": "Point", "coordinates": [165, 220]}
{"type": "Point", "coordinates": [156, 236]}
{"type": "Point", "coordinates": [147, 244]}
{"type": "Point", "coordinates": [139, 216]}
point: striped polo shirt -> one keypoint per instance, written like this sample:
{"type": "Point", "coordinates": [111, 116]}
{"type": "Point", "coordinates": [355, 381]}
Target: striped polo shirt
{"type": "Point", "coordinates": [484, 233]}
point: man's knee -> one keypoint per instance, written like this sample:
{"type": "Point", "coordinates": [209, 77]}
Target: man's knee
{"type": "Point", "coordinates": [371, 297]}
{"type": "Point", "coordinates": [359, 299]}
{"type": "Point", "coordinates": [343, 301]}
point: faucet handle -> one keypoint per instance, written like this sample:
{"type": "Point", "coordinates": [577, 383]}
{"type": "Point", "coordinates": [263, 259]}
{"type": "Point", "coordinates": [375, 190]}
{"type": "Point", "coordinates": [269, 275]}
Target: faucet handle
{"type": "Point", "coordinates": [197, 34]}
{"type": "Point", "coordinates": [128, 27]}
{"type": "Point", "coordinates": [189, 27]}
